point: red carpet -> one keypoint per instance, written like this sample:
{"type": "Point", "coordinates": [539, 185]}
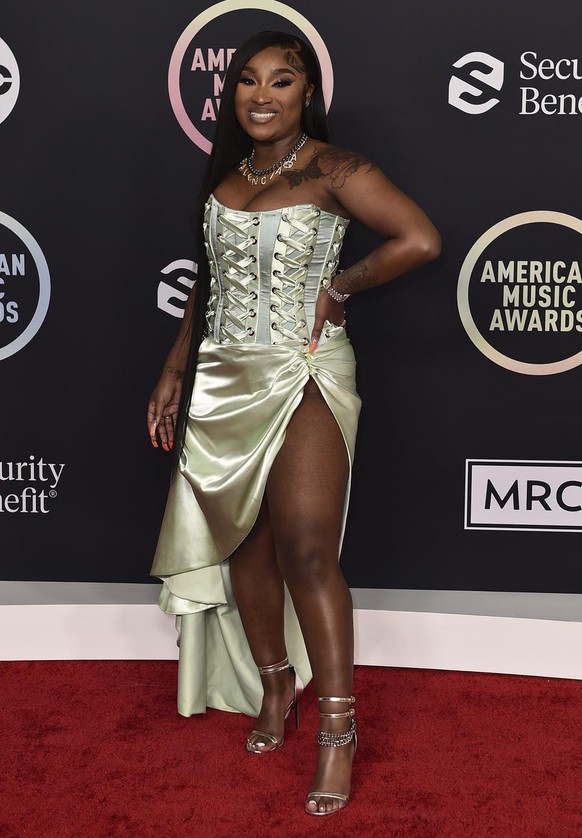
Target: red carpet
{"type": "Point", "coordinates": [97, 749]}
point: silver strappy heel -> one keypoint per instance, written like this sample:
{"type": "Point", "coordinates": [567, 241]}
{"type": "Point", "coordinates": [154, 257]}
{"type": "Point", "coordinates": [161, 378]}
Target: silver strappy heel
{"type": "Point", "coordinates": [272, 743]}
{"type": "Point", "coordinates": [334, 740]}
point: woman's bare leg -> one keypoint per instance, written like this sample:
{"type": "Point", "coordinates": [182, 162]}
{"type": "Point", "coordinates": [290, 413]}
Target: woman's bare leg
{"type": "Point", "coordinates": [258, 588]}
{"type": "Point", "coordinates": [306, 491]}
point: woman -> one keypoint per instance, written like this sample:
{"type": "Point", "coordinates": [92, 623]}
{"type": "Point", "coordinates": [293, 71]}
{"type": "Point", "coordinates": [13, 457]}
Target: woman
{"type": "Point", "coordinates": [264, 441]}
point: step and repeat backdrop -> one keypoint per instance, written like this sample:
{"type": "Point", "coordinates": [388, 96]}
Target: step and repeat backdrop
{"type": "Point", "coordinates": [468, 473]}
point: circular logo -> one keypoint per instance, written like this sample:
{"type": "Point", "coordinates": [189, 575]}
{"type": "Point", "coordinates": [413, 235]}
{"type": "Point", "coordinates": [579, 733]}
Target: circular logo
{"type": "Point", "coordinates": [9, 80]}
{"type": "Point", "coordinates": [25, 286]}
{"type": "Point", "coordinates": [520, 290]}
{"type": "Point", "coordinates": [199, 62]}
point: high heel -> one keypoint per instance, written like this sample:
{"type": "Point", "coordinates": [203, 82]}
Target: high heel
{"type": "Point", "coordinates": [272, 743]}
{"type": "Point", "coordinates": [334, 740]}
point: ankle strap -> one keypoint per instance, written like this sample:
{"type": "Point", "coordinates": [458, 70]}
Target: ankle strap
{"type": "Point", "coordinates": [274, 667]}
{"type": "Point", "coordinates": [336, 740]}
{"type": "Point", "coordinates": [348, 713]}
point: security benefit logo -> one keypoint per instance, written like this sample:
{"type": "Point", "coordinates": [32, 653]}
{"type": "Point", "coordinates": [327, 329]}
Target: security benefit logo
{"type": "Point", "coordinates": [523, 495]}
{"type": "Point", "coordinates": [9, 80]}
{"type": "Point", "coordinates": [519, 293]}
{"type": "Point", "coordinates": [536, 84]}
{"type": "Point", "coordinates": [29, 486]}
{"type": "Point", "coordinates": [173, 290]}
{"type": "Point", "coordinates": [473, 89]}
{"type": "Point", "coordinates": [24, 286]}
{"type": "Point", "coordinates": [204, 50]}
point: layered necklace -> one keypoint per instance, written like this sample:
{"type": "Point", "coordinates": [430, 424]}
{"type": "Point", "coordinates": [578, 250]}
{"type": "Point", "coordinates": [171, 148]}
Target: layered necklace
{"type": "Point", "coordinates": [259, 176]}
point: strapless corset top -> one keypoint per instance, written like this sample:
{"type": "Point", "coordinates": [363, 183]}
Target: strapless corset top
{"type": "Point", "coordinates": [266, 270]}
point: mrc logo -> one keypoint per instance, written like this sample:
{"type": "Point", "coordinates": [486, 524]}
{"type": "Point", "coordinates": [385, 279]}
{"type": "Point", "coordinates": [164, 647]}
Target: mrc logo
{"type": "Point", "coordinates": [523, 495]}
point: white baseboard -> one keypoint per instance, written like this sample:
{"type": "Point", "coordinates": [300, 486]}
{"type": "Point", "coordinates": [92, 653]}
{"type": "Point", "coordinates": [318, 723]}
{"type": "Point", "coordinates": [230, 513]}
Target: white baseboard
{"type": "Point", "coordinates": [469, 643]}
{"type": "Point", "coordinates": [474, 643]}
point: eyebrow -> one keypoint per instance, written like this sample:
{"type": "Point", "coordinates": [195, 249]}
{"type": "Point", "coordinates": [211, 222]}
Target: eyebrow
{"type": "Point", "coordinates": [278, 71]}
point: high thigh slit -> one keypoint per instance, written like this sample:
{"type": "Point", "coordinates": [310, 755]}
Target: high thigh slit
{"type": "Point", "coordinates": [245, 393]}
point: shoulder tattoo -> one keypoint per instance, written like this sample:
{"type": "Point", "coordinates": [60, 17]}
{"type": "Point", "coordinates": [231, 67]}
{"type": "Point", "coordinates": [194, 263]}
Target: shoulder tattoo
{"type": "Point", "coordinates": [336, 163]}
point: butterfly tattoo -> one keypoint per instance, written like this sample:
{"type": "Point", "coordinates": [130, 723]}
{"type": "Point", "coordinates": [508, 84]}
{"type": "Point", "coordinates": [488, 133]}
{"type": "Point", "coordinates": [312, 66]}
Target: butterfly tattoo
{"type": "Point", "coordinates": [295, 177]}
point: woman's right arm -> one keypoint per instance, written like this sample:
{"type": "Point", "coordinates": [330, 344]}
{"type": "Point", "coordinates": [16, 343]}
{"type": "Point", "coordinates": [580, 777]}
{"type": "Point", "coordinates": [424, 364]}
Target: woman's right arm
{"type": "Point", "coordinates": [165, 399]}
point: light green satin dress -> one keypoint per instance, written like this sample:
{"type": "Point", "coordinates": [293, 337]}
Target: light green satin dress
{"type": "Point", "coordinates": [266, 270]}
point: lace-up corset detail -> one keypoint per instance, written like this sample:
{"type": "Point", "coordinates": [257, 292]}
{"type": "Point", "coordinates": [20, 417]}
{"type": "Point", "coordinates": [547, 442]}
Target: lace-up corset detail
{"type": "Point", "coordinates": [266, 269]}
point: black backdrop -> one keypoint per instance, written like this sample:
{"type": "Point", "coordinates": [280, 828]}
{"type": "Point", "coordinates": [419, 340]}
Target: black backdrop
{"type": "Point", "coordinates": [94, 164]}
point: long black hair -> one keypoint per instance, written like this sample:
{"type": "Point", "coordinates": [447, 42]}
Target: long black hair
{"type": "Point", "coordinates": [231, 145]}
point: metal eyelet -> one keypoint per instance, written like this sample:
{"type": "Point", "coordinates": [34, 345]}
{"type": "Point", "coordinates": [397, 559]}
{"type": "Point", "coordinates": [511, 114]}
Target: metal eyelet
{"type": "Point", "coordinates": [310, 249]}
{"type": "Point", "coordinates": [279, 238]}
{"type": "Point", "coordinates": [300, 304]}
{"type": "Point", "coordinates": [274, 326]}
{"type": "Point", "coordinates": [253, 258]}
{"type": "Point", "coordinates": [305, 341]}
{"type": "Point", "coordinates": [276, 272]}
{"type": "Point", "coordinates": [256, 220]}
{"type": "Point", "coordinates": [252, 276]}
{"type": "Point", "coordinates": [327, 334]}
{"type": "Point", "coordinates": [301, 323]}
{"type": "Point", "coordinates": [277, 255]}
{"type": "Point", "coordinates": [254, 295]}
{"type": "Point", "coordinates": [253, 239]}
{"type": "Point", "coordinates": [250, 332]}
{"type": "Point", "coordinates": [314, 230]}
{"type": "Point", "coordinates": [285, 217]}
{"type": "Point", "coordinates": [252, 312]}
{"type": "Point", "coordinates": [274, 307]}
{"type": "Point", "coordinates": [274, 290]}
{"type": "Point", "coordinates": [317, 211]}
{"type": "Point", "coordinates": [302, 285]}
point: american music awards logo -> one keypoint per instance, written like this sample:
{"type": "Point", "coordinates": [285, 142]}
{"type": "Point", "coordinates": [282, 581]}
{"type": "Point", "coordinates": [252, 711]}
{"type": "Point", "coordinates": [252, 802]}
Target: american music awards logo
{"type": "Point", "coordinates": [204, 50]}
{"type": "Point", "coordinates": [25, 286]}
{"type": "Point", "coordinates": [519, 293]}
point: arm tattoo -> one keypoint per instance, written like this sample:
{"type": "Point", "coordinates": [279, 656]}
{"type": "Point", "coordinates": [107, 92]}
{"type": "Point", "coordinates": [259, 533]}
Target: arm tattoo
{"type": "Point", "coordinates": [335, 163]}
{"type": "Point", "coordinates": [175, 371]}
{"type": "Point", "coordinates": [354, 279]}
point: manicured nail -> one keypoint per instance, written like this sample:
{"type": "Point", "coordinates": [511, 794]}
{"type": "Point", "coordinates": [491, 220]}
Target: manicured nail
{"type": "Point", "coordinates": [313, 346]}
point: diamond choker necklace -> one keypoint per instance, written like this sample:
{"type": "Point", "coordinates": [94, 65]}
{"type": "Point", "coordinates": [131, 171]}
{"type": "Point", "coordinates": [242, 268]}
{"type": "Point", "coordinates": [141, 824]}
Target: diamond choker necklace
{"type": "Point", "coordinates": [259, 176]}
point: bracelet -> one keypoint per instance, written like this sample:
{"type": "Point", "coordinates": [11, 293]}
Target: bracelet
{"type": "Point", "coordinates": [335, 295]}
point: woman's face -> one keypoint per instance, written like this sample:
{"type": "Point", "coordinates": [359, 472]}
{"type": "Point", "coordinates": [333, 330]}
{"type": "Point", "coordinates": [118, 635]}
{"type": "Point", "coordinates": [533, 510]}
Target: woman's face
{"type": "Point", "coordinates": [269, 95]}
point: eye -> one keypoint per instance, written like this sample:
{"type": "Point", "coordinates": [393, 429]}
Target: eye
{"type": "Point", "coordinates": [245, 80]}
{"type": "Point", "coordinates": [283, 83]}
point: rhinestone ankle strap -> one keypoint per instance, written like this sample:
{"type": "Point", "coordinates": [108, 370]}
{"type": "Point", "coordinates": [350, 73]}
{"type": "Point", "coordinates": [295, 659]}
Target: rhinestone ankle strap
{"type": "Point", "coordinates": [336, 740]}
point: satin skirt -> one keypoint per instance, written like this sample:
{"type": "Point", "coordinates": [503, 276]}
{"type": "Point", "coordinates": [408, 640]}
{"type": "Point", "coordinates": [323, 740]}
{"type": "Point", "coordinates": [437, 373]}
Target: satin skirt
{"type": "Point", "coordinates": [243, 399]}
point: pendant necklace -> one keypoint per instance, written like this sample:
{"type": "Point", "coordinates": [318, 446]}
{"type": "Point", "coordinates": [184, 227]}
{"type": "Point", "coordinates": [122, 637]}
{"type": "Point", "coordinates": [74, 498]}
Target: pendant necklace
{"type": "Point", "coordinates": [259, 176]}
